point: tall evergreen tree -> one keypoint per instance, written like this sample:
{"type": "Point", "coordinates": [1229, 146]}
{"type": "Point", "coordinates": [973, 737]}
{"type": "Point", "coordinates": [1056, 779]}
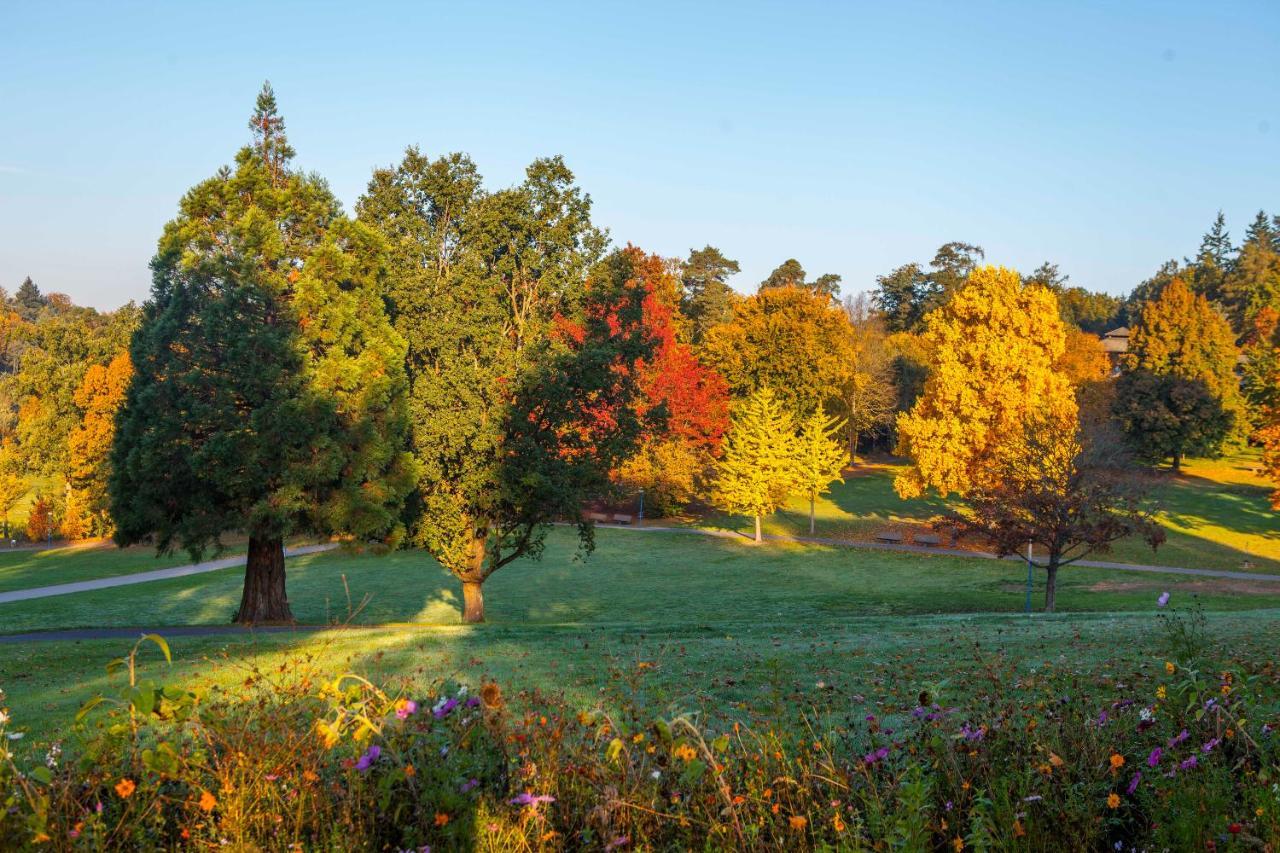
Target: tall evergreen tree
{"type": "Point", "coordinates": [707, 300]}
{"type": "Point", "coordinates": [269, 388]}
{"type": "Point", "coordinates": [28, 299]}
{"type": "Point", "coordinates": [521, 393]}
{"type": "Point", "coordinates": [1253, 282]}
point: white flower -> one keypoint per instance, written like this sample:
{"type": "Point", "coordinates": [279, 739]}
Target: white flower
{"type": "Point", "coordinates": [657, 774]}
{"type": "Point", "coordinates": [4, 716]}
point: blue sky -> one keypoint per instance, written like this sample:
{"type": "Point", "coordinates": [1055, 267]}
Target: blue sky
{"type": "Point", "coordinates": [852, 136]}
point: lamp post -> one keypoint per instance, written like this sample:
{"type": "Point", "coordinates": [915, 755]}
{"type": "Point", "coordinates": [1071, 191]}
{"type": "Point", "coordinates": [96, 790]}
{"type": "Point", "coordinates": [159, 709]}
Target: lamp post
{"type": "Point", "coordinates": [1028, 606]}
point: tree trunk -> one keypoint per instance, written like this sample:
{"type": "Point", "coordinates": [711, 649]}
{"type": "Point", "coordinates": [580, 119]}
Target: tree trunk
{"type": "Point", "coordinates": [1177, 461]}
{"type": "Point", "coordinates": [472, 602]}
{"type": "Point", "coordinates": [473, 580]}
{"type": "Point", "coordinates": [759, 538]}
{"type": "Point", "coordinates": [1051, 587]}
{"type": "Point", "coordinates": [264, 599]}
{"type": "Point", "coordinates": [810, 516]}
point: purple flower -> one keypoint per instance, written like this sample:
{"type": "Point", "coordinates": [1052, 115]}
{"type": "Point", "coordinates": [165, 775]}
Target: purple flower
{"type": "Point", "coordinates": [1154, 758]}
{"type": "Point", "coordinates": [971, 734]}
{"type": "Point", "coordinates": [370, 755]}
{"type": "Point", "coordinates": [1182, 735]}
{"type": "Point", "coordinates": [1133, 783]}
{"type": "Point", "coordinates": [444, 707]}
{"type": "Point", "coordinates": [1208, 747]}
{"type": "Point", "coordinates": [1188, 764]}
{"type": "Point", "coordinates": [473, 702]}
{"type": "Point", "coordinates": [532, 800]}
{"type": "Point", "coordinates": [620, 841]}
{"type": "Point", "coordinates": [1102, 719]}
{"type": "Point", "coordinates": [469, 785]}
{"type": "Point", "coordinates": [1162, 600]}
{"type": "Point", "coordinates": [406, 709]}
{"type": "Point", "coordinates": [877, 755]}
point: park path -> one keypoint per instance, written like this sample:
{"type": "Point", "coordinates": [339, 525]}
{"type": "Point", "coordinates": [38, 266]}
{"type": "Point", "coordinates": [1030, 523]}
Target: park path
{"type": "Point", "coordinates": [145, 577]}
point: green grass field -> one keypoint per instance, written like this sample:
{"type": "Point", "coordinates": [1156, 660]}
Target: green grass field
{"type": "Point", "coordinates": [1216, 514]}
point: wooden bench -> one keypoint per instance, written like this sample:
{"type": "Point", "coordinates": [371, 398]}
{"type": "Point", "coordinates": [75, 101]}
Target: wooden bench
{"type": "Point", "coordinates": [597, 516]}
{"type": "Point", "coordinates": [927, 539]}
{"type": "Point", "coordinates": [889, 536]}
{"type": "Point", "coordinates": [620, 518]}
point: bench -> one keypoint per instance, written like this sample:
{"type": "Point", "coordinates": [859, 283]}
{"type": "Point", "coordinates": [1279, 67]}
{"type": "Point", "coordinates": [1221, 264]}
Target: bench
{"type": "Point", "coordinates": [619, 518]}
{"type": "Point", "coordinates": [597, 516]}
{"type": "Point", "coordinates": [928, 539]}
{"type": "Point", "coordinates": [889, 536]}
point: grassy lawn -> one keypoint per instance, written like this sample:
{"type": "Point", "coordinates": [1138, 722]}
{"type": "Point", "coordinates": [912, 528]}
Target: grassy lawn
{"type": "Point", "coordinates": [23, 568]}
{"type": "Point", "coordinates": [670, 578]}
{"type": "Point", "coordinates": [721, 625]}
{"type": "Point", "coordinates": [1216, 514]}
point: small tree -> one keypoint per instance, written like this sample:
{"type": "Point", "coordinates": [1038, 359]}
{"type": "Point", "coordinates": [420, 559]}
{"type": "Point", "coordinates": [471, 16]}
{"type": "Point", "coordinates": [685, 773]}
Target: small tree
{"type": "Point", "coordinates": [12, 488]}
{"type": "Point", "coordinates": [1169, 417]}
{"type": "Point", "coordinates": [820, 459]}
{"type": "Point", "coordinates": [1072, 499]}
{"type": "Point", "coordinates": [40, 519]}
{"type": "Point", "coordinates": [758, 469]}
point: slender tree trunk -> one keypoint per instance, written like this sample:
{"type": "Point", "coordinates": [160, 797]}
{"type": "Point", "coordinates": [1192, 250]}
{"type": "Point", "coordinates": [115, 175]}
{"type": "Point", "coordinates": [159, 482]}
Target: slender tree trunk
{"type": "Point", "coordinates": [810, 516]}
{"type": "Point", "coordinates": [1051, 586]}
{"type": "Point", "coordinates": [1177, 461]}
{"type": "Point", "coordinates": [264, 599]}
{"type": "Point", "coordinates": [759, 538]}
{"type": "Point", "coordinates": [473, 581]}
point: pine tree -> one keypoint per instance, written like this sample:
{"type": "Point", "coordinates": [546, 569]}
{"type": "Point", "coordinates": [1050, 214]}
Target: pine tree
{"type": "Point", "coordinates": [707, 300]}
{"type": "Point", "coordinates": [819, 458]}
{"type": "Point", "coordinates": [994, 346]}
{"type": "Point", "coordinates": [1253, 283]}
{"type": "Point", "coordinates": [758, 469]}
{"type": "Point", "coordinates": [28, 300]}
{"type": "Point", "coordinates": [1179, 336]}
{"type": "Point", "coordinates": [268, 393]}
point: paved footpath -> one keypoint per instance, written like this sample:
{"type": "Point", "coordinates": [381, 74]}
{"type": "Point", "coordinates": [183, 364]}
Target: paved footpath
{"type": "Point", "coordinates": [144, 577]}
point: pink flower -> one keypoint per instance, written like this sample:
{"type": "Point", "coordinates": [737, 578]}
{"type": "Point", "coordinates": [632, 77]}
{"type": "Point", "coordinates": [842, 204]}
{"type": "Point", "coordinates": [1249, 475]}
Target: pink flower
{"type": "Point", "coordinates": [1162, 600]}
{"type": "Point", "coordinates": [406, 708]}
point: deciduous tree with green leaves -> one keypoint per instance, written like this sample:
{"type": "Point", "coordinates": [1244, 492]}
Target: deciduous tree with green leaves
{"type": "Point", "coordinates": [758, 469]}
{"type": "Point", "coordinates": [268, 393]}
{"type": "Point", "coordinates": [519, 362]}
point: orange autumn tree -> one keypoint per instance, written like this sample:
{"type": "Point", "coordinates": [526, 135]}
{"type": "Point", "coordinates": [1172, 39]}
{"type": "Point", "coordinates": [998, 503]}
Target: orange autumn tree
{"type": "Point", "coordinates": [89, 448]}
{"type": "Point", "coordinates": [993, 348]}
{"type": "Point", "coordinates": [684, 403]}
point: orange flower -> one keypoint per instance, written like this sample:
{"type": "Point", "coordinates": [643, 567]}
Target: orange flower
{"type": "Point", "coordinates": [310, 776]}
{"type": "Point", "coordinates": [798, 822]}
{"type": "Point", "coordinates": [837, 824]}
{"type": "Point", "coordinates": [1113, 800]}
{"type": "Point", "coordinates": [441, 818]}
{"type": "Point", "coordinates": [1169, 667]}
{"type": "Point", "coordinates": [1117, 761]}
{"type": "Point", "coordinates": [125, 788]}
{"type": "Point", "coordinates": [207, 802]}
{"type": "Point", "coordinates": [957, 844]}
{"type": "Point", "coordinates": [410, 771]}
{"type": "Point", "coordinates": [1018, 831]}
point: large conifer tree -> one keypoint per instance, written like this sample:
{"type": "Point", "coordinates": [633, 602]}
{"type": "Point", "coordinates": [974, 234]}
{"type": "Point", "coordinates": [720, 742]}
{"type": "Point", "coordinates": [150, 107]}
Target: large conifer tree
{"type": "Point", "coordinates": [269, 392]}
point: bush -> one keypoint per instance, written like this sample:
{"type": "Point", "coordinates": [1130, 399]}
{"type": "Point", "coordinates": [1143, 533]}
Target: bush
{"type": "Point", "coordinates": [299, 758]}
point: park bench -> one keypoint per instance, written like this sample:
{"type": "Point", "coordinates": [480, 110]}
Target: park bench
{"type": "Point", "coordinates": [598, 516]}
{"type": "Point", "coordinates": [620, 518]}
{"type": "Point", "coordinates": [928, 539]}
{"type": "Point", "coordinates": [889, 536]}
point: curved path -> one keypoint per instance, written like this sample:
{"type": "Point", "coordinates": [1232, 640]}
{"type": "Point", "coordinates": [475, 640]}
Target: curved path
{"type": "Point", "coordinates": [144, 577]}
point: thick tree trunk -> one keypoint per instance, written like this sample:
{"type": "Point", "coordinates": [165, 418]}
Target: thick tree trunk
{"type": "Point", "coordinates": [810, 516]}
{"type": "Point", "coordinates": [1177, 462]}
{"type": "Point", "coordinates": [264, 599]}
{"type": "Point", "coordinates": [1051, 587]}
{"type": "Point", "coordinates": [759, 538]}
{"type": "Point", "coordinates": [473, 581]}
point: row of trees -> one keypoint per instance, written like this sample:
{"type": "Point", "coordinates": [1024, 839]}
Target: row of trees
{"type": "Point", "coordinates": [456, 367]}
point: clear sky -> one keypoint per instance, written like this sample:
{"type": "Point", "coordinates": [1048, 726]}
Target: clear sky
{"type": "Point", "coordinates": [852, 136]}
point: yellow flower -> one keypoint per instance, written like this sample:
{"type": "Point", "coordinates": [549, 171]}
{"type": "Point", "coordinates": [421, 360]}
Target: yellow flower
{"type": "Point", "coordinates": [798, 822]}
{"type": "Point", "coordinates": [1226, 688]}
{"type": "Point", "coordinates": [1113, 800]}
{"type": "Point", "coordinates": [685, 752]}
{"type": "Point", "coordinates": [207, 802]}
{"type": "Point", "coordinates": [1018, 831]}
{"type": "Point", "coordinates": [837, 824]}
{"type": "Point", "coordinates": [1117, 761]}
{"type": "Point", "coordinates": [1161, 692]}
{"type": "Point", "coordinates": [638, 737]}
{"type": "Point", "coordinates": [957, 844]}
{"type": "Point", "coordinates": [125, 788]}
{"type": "Point", "coordinates": [1169, 667]}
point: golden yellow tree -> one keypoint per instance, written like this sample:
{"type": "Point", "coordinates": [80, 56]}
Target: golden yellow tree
{"type": "Point", "coordinates": [89, 447]}
{"type": "Point", "coordinates": [992, 349]}
{"type": "Point", "coordinates": [13, 486]}
{"type": "Point", "coordinates": [758, 469]}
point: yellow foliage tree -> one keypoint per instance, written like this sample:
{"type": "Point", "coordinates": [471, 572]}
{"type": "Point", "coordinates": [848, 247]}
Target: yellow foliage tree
{"type": "Point", "coordinates": [758, 469]}
{"type": "Point", "coordinates": [89, 445]}
{"type": "Point", "coordinates": [820, 459]}
{"type": "Point", "coordinates": [993, 348]}
{"type": "Point", "coordinates": [13, 486]}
